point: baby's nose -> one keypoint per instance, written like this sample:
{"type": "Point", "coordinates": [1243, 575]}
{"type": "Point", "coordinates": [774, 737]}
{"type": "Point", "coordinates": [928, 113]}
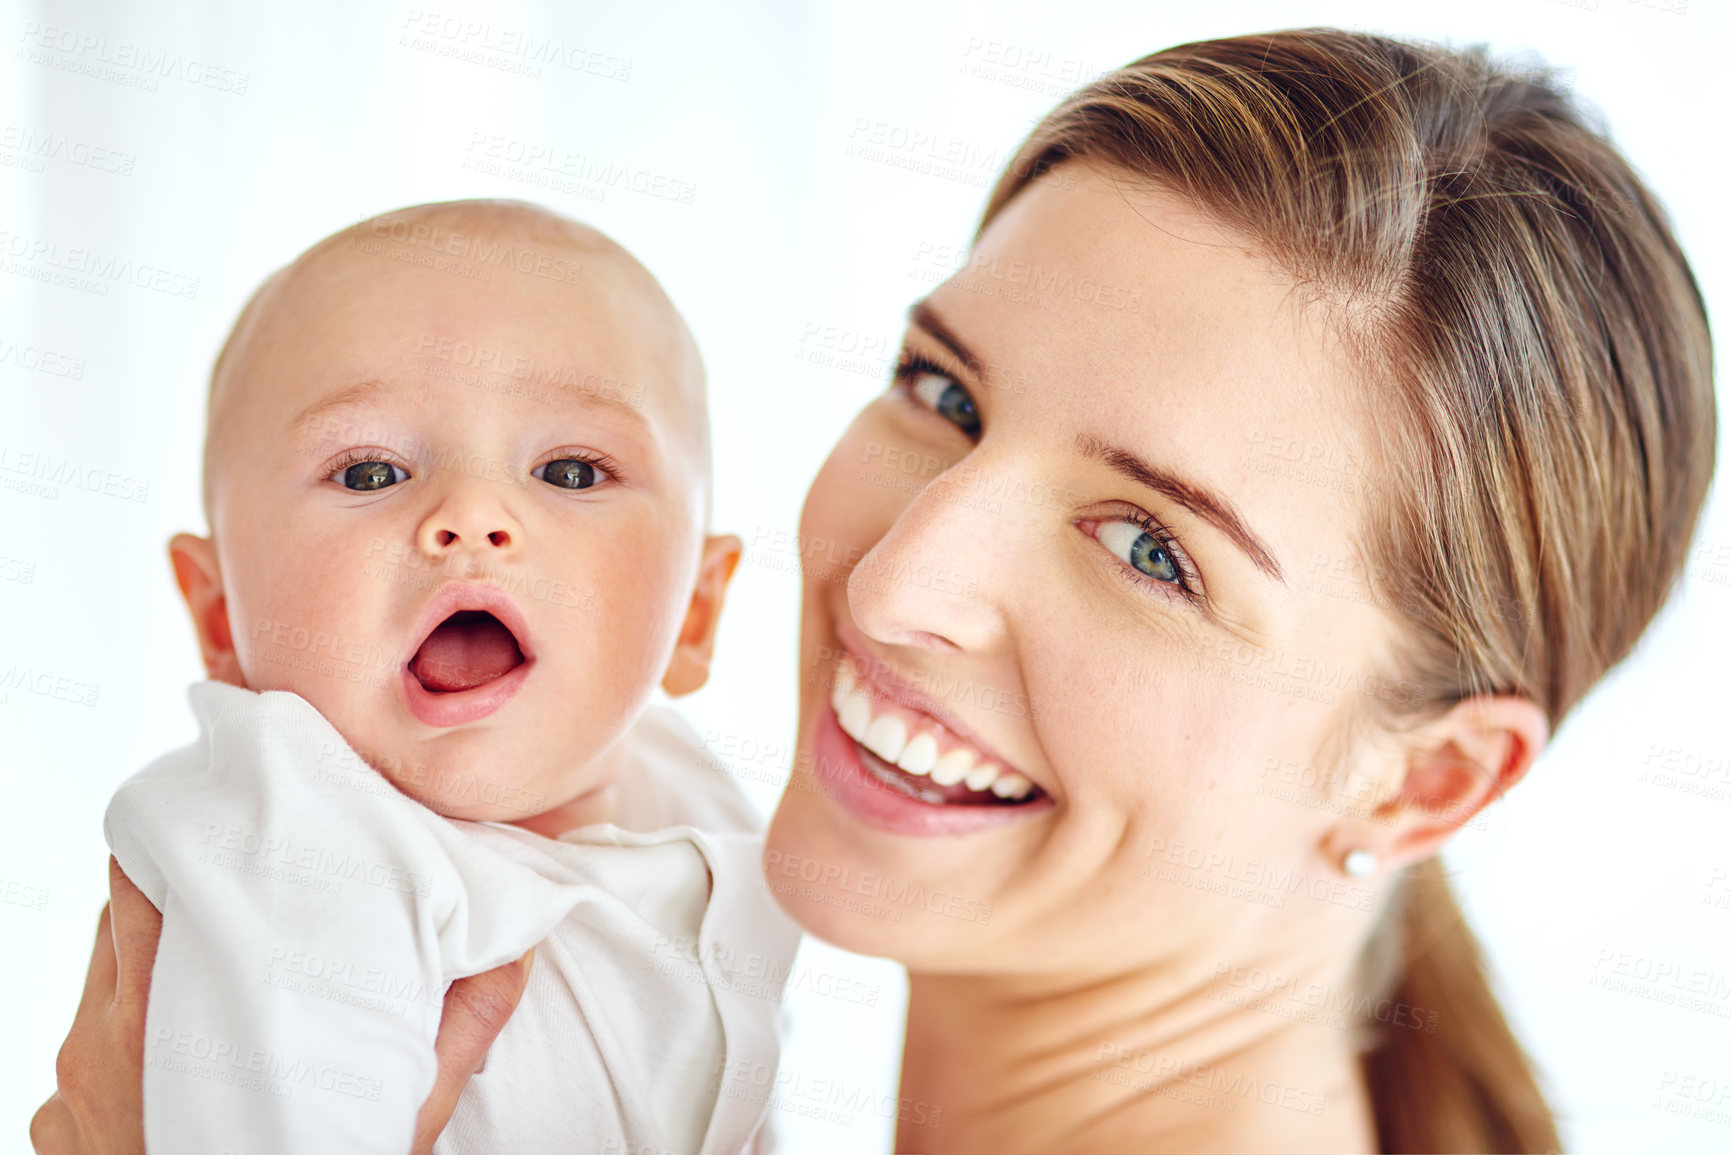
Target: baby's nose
{"type": "Point", "coordinates": [482, 526]}
{"type": "Point", "coordinates": [444, 538]}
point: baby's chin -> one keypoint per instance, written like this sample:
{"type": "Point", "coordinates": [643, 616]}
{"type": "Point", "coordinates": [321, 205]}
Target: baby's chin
{"type": "Point", "coordinates": [459, 793]}
{"type": "Point", "coordinates": [482, 773]}
{"type": "Point", "coordinates": [563, 794]}
{"type": "Point", "coordinates": [480, 777]}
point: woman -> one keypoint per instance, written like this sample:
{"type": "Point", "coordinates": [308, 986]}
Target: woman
{"type": "Point", "coordinates": [1316, 419]}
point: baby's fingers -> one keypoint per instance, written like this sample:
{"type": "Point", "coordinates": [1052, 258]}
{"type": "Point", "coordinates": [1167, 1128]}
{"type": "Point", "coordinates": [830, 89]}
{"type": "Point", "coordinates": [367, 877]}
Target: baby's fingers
{"type": "Point", "coordinates": [476, 1010]}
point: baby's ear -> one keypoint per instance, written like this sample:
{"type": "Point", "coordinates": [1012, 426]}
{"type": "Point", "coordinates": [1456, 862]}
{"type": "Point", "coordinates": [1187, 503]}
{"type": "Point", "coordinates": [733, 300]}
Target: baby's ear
{"type": "Point", "coordinates": [200, 580]}
{"type": "Point", "coordinates": [688, 669]}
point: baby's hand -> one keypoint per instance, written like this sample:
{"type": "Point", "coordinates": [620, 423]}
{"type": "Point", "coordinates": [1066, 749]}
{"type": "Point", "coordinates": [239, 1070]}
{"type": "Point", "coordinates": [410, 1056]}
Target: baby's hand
{"type": "Point", "coordinates": [98, 1108]}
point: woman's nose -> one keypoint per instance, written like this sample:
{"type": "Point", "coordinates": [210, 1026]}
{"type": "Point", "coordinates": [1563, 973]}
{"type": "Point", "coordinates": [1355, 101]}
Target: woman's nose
{"type": "Point", "coordinates": [930, 581]}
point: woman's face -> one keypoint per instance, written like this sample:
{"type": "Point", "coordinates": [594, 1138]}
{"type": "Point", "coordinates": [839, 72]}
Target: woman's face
{"type": "Point", "coordinates": [1098, 533]}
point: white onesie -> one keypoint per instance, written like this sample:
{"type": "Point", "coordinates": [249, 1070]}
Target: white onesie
{"type": "Point", "coordinates": [313, 917]}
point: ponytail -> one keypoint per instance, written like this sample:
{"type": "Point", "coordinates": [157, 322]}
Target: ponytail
{"type": "Point", "coordinates": [1457, 1080]}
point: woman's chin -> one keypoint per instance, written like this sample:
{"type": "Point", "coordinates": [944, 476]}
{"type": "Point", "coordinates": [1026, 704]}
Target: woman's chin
{"type": "Point", "coordinates": [859, 902]}
{"type": "Point", "coordinates": [917, 940]}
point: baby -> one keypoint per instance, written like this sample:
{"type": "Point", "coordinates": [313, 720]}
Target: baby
{"type": "Point", "coordinates": [456, 475]}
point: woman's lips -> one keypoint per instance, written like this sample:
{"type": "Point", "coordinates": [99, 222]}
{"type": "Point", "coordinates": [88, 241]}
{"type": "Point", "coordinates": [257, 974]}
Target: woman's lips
{"type": "Point", "coordinates": [888, 689]}
{"type": "Point", "coordinates": [900, 770]}
{"type": "Point", "coordinates": [916, 752]}
{"type": "Point", "coordinates": [866, 794]}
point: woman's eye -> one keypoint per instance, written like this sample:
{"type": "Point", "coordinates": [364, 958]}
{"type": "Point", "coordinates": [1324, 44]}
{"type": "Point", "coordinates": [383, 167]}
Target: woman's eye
{"type": "Point", "coordinates": [367, 475]}
{"type": "Point", "coordinates": [948, 399]}
{"type": "Point", "coordinates": [569, 473]}
{"type": "Point", "coordinates": [1140, 549]}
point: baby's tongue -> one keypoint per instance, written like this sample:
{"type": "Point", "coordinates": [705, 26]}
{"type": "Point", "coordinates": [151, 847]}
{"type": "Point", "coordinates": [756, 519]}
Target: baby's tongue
{"type": "Point", "coordinates": [468, 649]}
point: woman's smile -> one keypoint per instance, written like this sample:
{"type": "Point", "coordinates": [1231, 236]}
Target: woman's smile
{"type": "Point", "coordinates": [895, 758]}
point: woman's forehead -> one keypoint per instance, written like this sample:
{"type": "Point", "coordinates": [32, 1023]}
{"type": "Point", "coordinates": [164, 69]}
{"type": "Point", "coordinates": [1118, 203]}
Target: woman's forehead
{"type": "Point", "coordinates": [1103, 258]}
{"type": "Point", "coordinates": [1104, 300]}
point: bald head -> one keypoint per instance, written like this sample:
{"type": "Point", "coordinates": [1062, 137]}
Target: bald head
{"type": "Point", "coordinates": [581, 313]}
{"type": "Point", "coordinates": [446, 415]}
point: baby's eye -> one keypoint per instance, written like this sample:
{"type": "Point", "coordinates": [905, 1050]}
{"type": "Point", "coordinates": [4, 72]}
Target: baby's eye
{"type": "Point", "coordinates": [1140, 549]}
{"type": "Point", "coordinates": [569, 473]}
{"type": "Point", "coordinates": [368, 475]}
{"type": "Point", "coordinates": [946, 397]}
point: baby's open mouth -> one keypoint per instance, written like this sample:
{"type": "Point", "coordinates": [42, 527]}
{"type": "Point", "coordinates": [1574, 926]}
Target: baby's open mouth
{"type": "Point", "coordinates": [468, 649]}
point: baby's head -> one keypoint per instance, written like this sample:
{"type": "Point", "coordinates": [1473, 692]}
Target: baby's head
{"type": "Point", "coordinates": [456, 474]}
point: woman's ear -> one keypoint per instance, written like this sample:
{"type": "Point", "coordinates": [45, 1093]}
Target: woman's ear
{"type": "Point", "coordinates": [688, 668]}
{"type": "Point", "coordinates": [200, 580]}
{"type": "Point", "coordinates": [1457, 766]}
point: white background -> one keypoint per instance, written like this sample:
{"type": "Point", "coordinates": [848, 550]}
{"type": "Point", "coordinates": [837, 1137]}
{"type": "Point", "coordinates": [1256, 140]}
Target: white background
{"type": "Point", "coordinates": [787, 241]}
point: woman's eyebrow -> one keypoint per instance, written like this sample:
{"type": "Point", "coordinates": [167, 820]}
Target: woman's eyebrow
{"type": "Point", "coordinates": [1214, 510]}
{"type": "Point", "coordinates": [924, 316]}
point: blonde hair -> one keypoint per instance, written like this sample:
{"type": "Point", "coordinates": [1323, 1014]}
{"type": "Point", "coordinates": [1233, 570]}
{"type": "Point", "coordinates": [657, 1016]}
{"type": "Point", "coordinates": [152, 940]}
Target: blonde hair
{"type": "Point", "coordinates": [1537, 354]}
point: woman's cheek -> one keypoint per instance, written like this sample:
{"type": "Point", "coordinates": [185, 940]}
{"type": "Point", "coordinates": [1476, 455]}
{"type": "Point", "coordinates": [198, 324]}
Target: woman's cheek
{"type": "Point", "coordinates": [849, 507]}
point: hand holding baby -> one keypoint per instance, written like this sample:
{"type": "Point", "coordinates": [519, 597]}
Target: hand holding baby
{"type": "Point", "coordinates": [97, 1109]}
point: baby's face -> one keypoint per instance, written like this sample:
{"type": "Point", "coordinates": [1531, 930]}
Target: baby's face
{"type": "Point", "coordinates": [462, 517]}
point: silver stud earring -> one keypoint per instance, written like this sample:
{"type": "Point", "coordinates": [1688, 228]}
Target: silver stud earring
{"type": "Point", "coordinates": [1360, 863]}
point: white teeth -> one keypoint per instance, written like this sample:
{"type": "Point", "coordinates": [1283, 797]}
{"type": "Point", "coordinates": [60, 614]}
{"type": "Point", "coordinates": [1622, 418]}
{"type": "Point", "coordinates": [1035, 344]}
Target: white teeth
{"type": "Point", "coordinates": [982, 776]}
{"type": "Point", "coordinates": [953, 767]}
{"type": "Point", "coordinates": [885, 737]}
{"type": "Point", "coordinates": [919, 755]}
{"type": "Point", "coordinates": [854, 715]}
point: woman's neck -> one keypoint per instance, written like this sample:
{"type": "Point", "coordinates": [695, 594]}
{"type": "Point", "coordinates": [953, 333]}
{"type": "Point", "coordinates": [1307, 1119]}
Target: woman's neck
{"type": "Point", "coordinates": [1146, 1061]}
